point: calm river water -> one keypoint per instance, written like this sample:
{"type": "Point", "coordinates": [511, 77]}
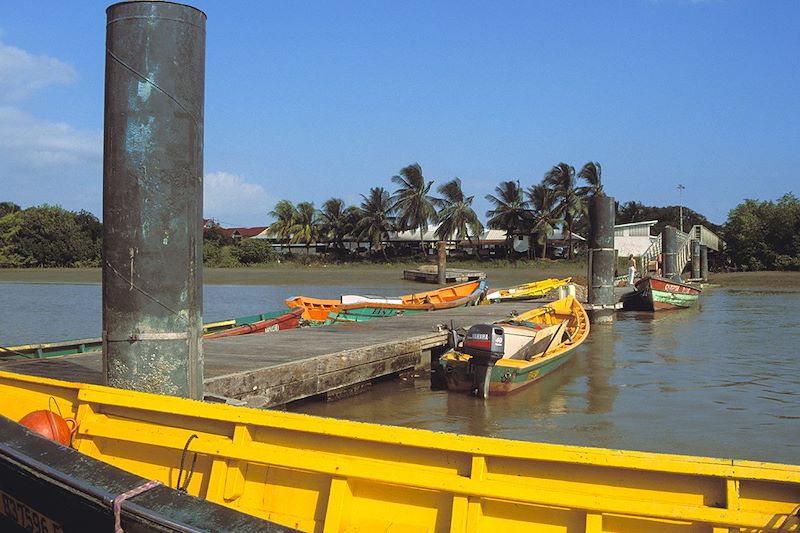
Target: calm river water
{"type": "Point", "coordinates": [720, 380]}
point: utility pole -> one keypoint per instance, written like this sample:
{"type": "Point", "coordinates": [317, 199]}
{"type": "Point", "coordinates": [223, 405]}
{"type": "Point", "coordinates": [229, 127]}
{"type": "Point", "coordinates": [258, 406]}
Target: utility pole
{"type": "Point", "coordinates": [680, 206]}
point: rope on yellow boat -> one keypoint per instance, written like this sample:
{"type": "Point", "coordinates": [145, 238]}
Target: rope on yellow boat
{"type": "Point", "coordinates": [116, 503]}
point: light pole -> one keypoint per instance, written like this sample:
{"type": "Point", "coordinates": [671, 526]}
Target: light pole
{"type": "Point", "coordinates": [680, 205]}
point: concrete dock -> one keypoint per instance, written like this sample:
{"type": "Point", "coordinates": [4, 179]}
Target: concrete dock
{"type": "Point", "coordinates": [267, 370]}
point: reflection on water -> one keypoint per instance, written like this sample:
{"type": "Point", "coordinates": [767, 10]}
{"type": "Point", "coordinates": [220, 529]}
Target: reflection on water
{"type": "Point", "coordinates": [721, 379]}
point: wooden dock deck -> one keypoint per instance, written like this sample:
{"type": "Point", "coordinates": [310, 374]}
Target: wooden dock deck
{"type": "Point", "coordinates": [266, 370]}
{"type": "Point", "coordinates": [430, 274]}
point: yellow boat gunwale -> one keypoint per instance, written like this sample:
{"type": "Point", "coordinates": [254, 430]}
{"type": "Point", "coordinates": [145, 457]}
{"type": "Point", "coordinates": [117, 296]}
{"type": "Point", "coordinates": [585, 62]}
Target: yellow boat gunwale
{"type": "Point", "coordinates": [88, 393]}
{"type": "Point", "coordinates": [529, 290]}
{"type": "Point", "coordinates": [234, 435]}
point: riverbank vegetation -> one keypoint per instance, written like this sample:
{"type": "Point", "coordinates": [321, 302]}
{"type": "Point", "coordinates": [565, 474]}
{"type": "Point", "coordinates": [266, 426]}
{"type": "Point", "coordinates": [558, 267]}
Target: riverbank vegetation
{"type": "Point", "coordinates": [765, 235]}
{"type": "Point", "coordinates": [760, 235]}
{"type": "Point", "coordinates": [48, 236]}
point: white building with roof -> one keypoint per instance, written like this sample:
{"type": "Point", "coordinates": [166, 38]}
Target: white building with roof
{"type": "Point", "coordinates": [633, 238]}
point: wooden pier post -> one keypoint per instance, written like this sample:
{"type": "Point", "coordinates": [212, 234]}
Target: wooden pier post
{"type": "Point", "coordinates": [153, 198]}
{"type": "Point", "coordinates": [669, 248]}
{"type": "Point", "coordinates": [441, 263]}
{"type": "Point", "coordinates": [602, 256]}
{"type": "Point", "coordinates": [695, 246]}
{"type": "Point", "coordinates": [704, 262]}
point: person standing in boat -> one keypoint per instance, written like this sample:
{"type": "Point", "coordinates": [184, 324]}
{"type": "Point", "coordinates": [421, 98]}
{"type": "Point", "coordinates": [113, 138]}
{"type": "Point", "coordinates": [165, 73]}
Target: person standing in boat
{"type": "Point", "coordinates": [631, 270]}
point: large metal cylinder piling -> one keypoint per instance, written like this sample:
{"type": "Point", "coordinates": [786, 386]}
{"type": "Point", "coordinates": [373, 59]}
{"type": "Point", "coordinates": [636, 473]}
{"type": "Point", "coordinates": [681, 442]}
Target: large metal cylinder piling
{"type": "Point", "coordinates": [704, 262]}
{"type": "Point", "coordinates": [669, 248]}
{"type": "Point", "coordinates": [695, 246]}
{"type": "Point", "coordinates": [601, 298]}
{"type": "Point", "coordinates": [153, 198]}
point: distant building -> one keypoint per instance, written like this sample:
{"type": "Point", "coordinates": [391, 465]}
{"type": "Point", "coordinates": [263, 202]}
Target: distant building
{"type": "Point", "coordinates": [633, 238]}
{"type": "Point", "coordinates": [245, 233]}
{"type": "Point", "coordinates": [490, 243]}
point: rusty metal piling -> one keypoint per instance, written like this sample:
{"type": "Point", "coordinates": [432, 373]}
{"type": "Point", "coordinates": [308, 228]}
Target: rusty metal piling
{"type": "Point", "coordinates": [695, 247]}
{"type": "Point", "coordinates": [669, 247]}
{"type": "Point", "coordinates": [153, 198]}
{"type": "Point", "coordinates": [704, 262]}
{"type": "Point", "coordinates": [602, 257]}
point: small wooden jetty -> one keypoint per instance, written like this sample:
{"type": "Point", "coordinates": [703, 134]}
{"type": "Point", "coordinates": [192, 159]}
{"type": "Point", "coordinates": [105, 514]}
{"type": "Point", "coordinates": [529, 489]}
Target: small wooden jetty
{"type": "Point", "coordinates": [430, 274]}
{"type": "Point", "coordinates": [267, 370]}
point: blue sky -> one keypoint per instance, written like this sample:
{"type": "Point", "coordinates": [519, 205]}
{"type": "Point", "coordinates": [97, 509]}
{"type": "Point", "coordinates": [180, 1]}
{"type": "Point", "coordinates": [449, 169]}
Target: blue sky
{"type": "Point", "coordinates": [309, 100]}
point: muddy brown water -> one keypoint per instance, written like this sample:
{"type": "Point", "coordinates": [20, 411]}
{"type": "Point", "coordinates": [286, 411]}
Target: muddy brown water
{"type": "Point", "coordinates": [721, 380]}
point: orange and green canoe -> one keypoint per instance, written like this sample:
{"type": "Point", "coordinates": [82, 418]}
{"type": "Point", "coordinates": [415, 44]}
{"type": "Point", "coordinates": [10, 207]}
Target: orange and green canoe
{"type": "Point", "coordinates": [321, 310]}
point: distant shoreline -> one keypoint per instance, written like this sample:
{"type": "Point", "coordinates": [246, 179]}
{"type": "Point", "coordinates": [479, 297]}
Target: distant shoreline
{"type": "Point", "coordinates": [293, 274]}
{"type": "Point", "coordinates": [335, 274]}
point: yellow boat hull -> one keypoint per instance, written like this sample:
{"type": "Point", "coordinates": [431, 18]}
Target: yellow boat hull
{"type": "Point", "coordinates": [523, 364]}
{"type": "Point", "coordinates": [526, 291]}
{"type": "Point", "coordinates": [319, 474]}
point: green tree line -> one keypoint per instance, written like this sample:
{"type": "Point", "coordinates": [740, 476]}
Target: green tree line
{"type": "Point", "coordinates": [48, 236]}
{"type": "Point", "coordinates": [764, 235]}
{"type": "Point", "coordinates": [760, 235]}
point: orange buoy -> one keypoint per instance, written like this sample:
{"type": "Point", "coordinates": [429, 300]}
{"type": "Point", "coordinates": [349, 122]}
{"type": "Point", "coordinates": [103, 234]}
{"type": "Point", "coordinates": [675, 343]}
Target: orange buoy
{"type": "Point", "coordinates": [50, 425]}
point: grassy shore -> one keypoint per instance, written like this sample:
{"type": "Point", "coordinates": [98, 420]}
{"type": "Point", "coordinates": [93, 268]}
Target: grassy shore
{"type": "Point", "coordinates": [376, 274]}
{"type": "Point", "coordinates": [780, 281]}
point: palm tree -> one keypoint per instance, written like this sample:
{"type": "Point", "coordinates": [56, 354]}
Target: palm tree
{"type": "Point", "coordinates": [335, 222]}
{"type": "Point", "coordinates": [305, 229]}
{"type": "Point", "coordinates": [592, 173]}
{"type": "Point", "coordinates": [376, 220]}
{"type": "Point", "coordinates": [284, 214]}
{"type": "Point", "coordinates": [561, 178]}
{"type": "Point", "coordinates": [7, 208]}
{"type": "Point", "coordinates": [412, 202]}
{"type": "Point", "coordinates": [632, 211]}
{"type": "Point", "coordinates": [544, 213]}
{"type": "Point", "coordinates": [510, 211]}
{"type": "Point", "coordinates": [456, 216]}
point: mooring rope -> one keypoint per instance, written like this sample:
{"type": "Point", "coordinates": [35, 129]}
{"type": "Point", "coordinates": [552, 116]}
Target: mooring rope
{"type": "Point", "coordinates": [116, 503]}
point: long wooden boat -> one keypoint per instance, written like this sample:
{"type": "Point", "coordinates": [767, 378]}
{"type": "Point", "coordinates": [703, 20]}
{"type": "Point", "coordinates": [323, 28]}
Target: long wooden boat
{"type": "Point", "coordinates": [263, 322]}
{"type": "Point", "coordinates": [326, 475]}
{"type": "Point", "coordinates": [446, 298]}
{"type": "Point", "coordinates": [268, 322]}
{"type": "Point", "coordinates": [495, 359]}
{"type": "Point", "coordinates": [319, 310]}
{"type": "Point", "coordinates": [47, 487]}
{"type": "Point", "coordinates": [526, 291]}
{"type": "Point", "coordinates": [654, 293]}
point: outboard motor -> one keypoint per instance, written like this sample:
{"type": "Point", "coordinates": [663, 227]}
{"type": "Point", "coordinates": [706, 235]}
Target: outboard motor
{"type": "Point", "coordinates": [485, 343]}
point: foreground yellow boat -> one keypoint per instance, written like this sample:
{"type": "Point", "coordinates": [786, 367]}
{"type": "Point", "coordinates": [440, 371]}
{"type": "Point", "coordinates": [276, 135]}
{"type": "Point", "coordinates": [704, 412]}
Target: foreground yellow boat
{"type": "Point", "coordinates": [326, 475]}
{"type": "Point", "coordinates": [526, 291]}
